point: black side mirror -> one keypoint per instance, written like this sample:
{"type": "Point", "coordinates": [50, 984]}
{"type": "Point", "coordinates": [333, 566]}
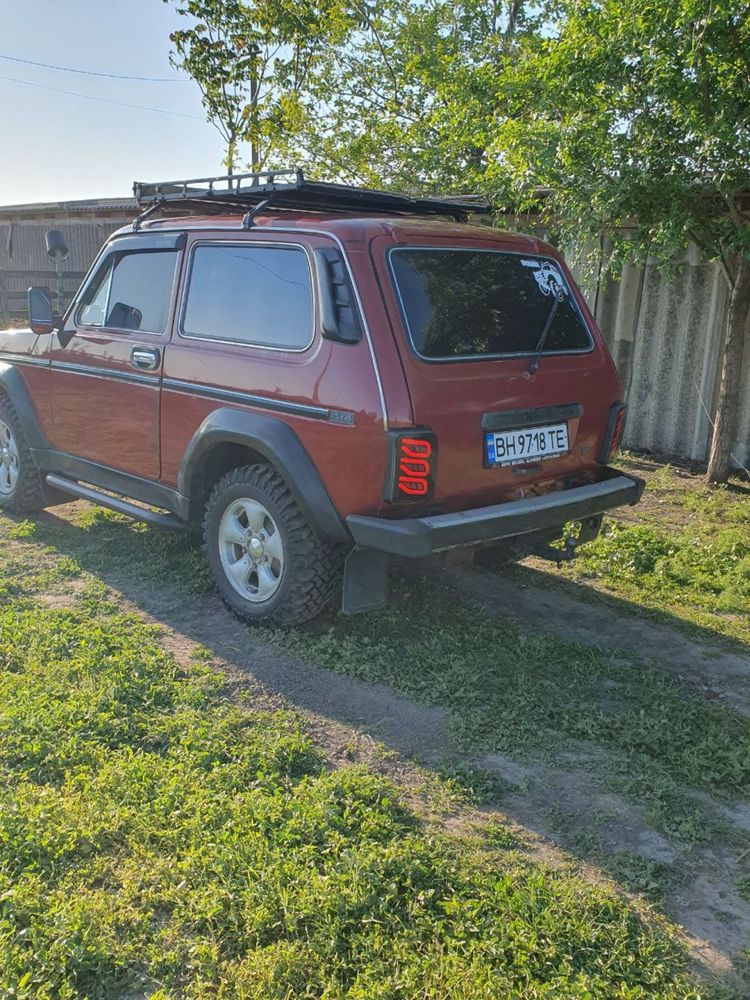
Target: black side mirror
{"type": "Point", "coordinates": [57, 248]}
{"type": "Point", "coordinates": [40, 312]}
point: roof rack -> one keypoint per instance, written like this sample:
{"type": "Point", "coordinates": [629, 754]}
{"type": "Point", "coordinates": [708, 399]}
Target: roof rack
{"type": "Point", "coordinates": [290, 189]}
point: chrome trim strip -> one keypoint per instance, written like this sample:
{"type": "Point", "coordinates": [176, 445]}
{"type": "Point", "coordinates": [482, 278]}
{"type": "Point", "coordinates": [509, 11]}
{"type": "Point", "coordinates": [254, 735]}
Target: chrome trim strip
{"type": "Point", "coordinates": [249, 399]}
{"type": "Point", "coordinates": [93, 372]}
{"type": "Point", "coordinates": [23, 359]}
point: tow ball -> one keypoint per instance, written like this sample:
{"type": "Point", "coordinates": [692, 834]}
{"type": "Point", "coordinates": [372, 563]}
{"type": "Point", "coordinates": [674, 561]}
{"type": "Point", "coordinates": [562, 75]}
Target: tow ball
{"type": "Point", "coordinates": [590, 528]}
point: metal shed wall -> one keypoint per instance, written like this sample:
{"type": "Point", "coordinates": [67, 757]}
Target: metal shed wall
{"type": "Point", "coordinates": [23, 256]}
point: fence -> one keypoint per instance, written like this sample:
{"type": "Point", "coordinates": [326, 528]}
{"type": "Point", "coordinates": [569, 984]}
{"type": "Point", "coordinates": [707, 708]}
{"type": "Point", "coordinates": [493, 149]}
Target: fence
{"type": "Point", "coordinates": [665, 335]}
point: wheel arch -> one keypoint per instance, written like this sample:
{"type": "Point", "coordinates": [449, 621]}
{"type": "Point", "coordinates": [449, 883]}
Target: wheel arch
{"type": "Point", "coordinates": [13, 386]}
{"type": "Point", "coordinates": [228, 438]}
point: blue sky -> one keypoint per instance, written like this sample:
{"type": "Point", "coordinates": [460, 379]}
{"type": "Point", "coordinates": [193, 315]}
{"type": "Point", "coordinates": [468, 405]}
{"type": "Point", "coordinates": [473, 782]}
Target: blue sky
{"type": "Point", "coordinates": [54, 146]}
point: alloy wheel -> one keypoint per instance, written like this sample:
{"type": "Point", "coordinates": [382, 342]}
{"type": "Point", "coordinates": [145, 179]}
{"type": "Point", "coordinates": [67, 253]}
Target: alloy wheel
{"type": "Point", "coordinates": [9, 469]}
{"type": "Point", "coordinates": [251, 550]}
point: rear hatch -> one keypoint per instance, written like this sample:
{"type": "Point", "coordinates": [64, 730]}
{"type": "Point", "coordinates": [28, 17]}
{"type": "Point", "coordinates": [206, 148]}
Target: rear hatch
{"type": "Point", "coordinates": [468, 314]}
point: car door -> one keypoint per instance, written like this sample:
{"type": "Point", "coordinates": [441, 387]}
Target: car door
{"type": "Point", "coordinates": [106, 363]}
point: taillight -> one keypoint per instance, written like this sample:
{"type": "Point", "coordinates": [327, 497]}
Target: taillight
{"type": "Point", "coordinates": [613, 432]}
{"type": "Point", "coordinates": [410, 473]}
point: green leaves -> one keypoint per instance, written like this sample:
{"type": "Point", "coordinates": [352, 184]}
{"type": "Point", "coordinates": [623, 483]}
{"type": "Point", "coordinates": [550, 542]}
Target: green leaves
{"type": "Point", "coordinates": [250, 60]}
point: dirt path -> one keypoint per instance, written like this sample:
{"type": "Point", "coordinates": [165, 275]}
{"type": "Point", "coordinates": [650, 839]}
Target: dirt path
{"type": "Point", "coordinates": [560, 805]}
{"type": "Point", "coordinates": [707, 666]}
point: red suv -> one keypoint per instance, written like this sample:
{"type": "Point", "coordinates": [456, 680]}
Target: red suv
{"type": "Point", "coordinates": [323, 376]}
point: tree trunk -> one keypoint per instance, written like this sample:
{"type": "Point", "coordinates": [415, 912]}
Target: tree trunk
{"type": "Point", "coordinates": [725, 420]}
{"type": "Point", "coordinates": [254, 151]}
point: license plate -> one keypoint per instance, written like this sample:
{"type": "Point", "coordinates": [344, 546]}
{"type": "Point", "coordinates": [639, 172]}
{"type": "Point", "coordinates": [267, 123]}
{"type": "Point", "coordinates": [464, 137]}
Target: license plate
{"type": "Point", "coordinates": [532, 444]}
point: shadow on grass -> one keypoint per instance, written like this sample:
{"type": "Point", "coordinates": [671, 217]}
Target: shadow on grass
{"type": "Point", "coordinates": [468, 685]}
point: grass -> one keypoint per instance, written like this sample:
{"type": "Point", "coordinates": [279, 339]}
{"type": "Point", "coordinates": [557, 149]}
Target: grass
{"type": "Point", "coordinates": [522, 694]}
{"type": "Point", "coordinates": [157, 841]}
{"type": "Point", "coordinates": [685, 551]}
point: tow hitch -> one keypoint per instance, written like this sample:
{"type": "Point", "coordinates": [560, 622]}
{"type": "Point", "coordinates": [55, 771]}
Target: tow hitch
{"type": "Point", "coordinates": [590, 528]}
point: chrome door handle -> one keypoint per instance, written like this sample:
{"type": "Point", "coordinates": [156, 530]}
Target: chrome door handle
{"type": "Point", "coordinates": [145, 358]}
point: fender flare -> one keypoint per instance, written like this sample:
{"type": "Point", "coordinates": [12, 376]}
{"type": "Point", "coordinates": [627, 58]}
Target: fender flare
{"type": "Point", "coordinates": [280, 446]}
{"type": "Point", "coordinates": [14, 386]}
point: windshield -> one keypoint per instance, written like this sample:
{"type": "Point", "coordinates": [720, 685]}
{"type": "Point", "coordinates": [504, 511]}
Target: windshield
{"type": "Point", "coordinates": [460, 303]}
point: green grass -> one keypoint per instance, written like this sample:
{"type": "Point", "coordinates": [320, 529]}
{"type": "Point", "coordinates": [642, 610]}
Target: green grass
{"type": "Point", "coordinates": [531, 694]}
{"type": "Point", "coordinates": [688, 554]}
{"type": "Point", "coordinates": [157, 841]}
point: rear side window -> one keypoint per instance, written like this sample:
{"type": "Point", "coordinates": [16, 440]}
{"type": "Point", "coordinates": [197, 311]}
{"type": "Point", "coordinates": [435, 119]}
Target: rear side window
{"type": "Point", "coordinates": [475, 303]}
{"type": "Point", "coordinates": [131, 291]}
{"type": "Point", "coordinates": [258, 295]}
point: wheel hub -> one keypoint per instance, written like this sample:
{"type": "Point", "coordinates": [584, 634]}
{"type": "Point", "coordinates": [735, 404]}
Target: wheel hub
{"type": "Point", "coordinates": [8, 460]}
{"type": "Point", "coordinates": [254, 548]}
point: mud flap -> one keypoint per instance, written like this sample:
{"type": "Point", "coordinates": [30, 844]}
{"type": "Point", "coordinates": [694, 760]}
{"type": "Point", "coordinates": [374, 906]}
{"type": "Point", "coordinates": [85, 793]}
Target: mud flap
{"type": "Point", "coordinates": [365, 581]}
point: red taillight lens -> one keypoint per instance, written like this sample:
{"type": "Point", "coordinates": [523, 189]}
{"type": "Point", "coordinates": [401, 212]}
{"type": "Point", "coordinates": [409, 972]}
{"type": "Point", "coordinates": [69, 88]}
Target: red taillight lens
{"type": "Point", "coordinates": [614, 431]}
{"type": "Point", "coordinates": [410, 474]}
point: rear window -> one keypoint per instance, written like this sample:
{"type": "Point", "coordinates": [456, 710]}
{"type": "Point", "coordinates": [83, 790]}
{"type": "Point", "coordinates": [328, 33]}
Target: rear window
{"type": "Point", "coordinates": [478, 303]}
{"type": "Point", "coordinates": [259, 295]}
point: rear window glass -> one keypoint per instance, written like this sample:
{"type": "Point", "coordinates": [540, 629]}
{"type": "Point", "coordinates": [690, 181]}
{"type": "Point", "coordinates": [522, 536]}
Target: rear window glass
{"type": "Point", "coordinates": [250, 295]}
{"type": "Point", "coordinates": [478, 303]}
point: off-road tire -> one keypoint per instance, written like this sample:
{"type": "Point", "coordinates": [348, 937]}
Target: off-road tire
{"type": "Point", "coordinates": [312, 569]}
{"type": "Point", "coordinates": [28, 494]}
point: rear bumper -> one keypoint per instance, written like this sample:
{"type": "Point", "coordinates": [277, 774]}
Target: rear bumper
{"type": "Point", "coordinates": [417, 537]}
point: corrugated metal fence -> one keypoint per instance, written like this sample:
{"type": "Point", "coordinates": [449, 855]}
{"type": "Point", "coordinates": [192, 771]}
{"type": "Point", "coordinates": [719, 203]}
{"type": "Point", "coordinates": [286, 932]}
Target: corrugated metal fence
{"type": "Point", "coordinates": [664, 333]}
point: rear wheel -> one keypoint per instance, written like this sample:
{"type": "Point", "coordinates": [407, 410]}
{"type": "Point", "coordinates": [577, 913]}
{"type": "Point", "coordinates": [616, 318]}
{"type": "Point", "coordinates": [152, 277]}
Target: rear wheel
{"type": "Point", "coordinates": [267, 562]}
{"type": "Point", "coordinates": [20, 483]}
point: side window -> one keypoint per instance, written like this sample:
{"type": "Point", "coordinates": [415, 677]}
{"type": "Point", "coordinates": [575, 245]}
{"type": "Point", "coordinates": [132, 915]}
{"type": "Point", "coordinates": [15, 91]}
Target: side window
{"type": "Point", "coordinates": [130, 292]}
{"type": "Point", "coordinates": [257, 295]}
{"type": "Point", "coordinates": [94, 310]}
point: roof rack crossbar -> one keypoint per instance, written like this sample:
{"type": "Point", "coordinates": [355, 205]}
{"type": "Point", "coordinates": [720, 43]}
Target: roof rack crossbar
{"type": "Point", "coordinates": [290, 189]}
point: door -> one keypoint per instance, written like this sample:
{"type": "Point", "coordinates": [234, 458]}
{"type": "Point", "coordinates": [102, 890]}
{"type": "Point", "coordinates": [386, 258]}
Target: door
{"type": "Point", "coordinates": [502, 362]}
{"type": "Point", "coordinates": [106, 363]}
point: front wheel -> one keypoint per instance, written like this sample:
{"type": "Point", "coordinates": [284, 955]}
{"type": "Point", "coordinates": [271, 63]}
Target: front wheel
{"type": "Point", "coordinates": [21, 489]}
{"type": "Point", "coordinates": [267, 562]}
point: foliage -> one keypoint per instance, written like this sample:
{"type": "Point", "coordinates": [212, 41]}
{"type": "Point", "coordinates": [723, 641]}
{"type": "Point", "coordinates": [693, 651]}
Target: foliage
{"type": "Point", "coordinates": [637, 115]}
{"type": "Point", "coordinates": [411, 100]}
{"type": "Point", "coordinates": [250, 61]}
{"type": "Point", "coordinates": [156, 841]}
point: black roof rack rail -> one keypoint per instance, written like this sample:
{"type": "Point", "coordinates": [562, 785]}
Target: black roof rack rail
{"type": "Point", "coordinates": [290, 189]}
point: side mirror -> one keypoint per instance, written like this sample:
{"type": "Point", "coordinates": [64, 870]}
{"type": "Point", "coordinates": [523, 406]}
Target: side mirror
{"type": "Point", "coordinates": [57, 248]}
{"type": "Point", "coordinates": [40, 312]}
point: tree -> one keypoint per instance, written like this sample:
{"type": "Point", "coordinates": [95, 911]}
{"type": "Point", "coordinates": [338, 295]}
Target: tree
{"type": "Point", "coordinates": [637, 116]}
{"type": "Point", "coordinates": [631, 116]}
{"type": "Point", "coordinates": [250, 61]}
{"type": "Point", "coordinates": [410, 101]}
